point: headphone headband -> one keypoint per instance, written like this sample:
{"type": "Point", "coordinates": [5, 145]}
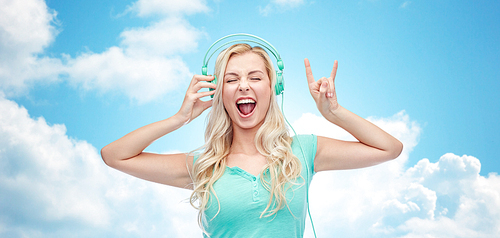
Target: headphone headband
{"type": "Point", "coordinates": [279, 86]}
{"type": "Point", "coordinates": [265, 44]}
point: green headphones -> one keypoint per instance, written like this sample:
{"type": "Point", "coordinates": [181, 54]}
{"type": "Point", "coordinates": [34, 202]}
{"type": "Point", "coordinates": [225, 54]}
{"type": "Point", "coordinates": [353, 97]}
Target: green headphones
{"type": "Point", "coordinates": [279, 87]}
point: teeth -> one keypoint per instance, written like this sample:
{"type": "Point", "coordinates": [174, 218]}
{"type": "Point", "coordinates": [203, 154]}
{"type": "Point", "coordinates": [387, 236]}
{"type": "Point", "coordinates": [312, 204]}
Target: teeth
{"type": "Point", "coordinates": [242, 101]}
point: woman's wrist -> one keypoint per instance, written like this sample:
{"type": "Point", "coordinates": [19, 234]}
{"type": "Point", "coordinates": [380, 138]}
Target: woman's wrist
{"type": "Point", "coordinates": [337, 115]}
{"type": "Point", "coordinates": [178, 120]}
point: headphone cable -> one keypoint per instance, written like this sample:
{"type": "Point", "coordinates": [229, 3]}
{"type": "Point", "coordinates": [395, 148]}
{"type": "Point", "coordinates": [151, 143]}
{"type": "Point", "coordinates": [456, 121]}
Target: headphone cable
{"type": "Point", "coordinates": [305, 160]}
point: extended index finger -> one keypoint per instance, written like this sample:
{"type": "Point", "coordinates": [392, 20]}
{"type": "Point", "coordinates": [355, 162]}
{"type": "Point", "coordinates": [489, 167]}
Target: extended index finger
{"type": "Point", "coordinates": [334, 70]}
{"type": "Point", "coordinates": [309, 73]}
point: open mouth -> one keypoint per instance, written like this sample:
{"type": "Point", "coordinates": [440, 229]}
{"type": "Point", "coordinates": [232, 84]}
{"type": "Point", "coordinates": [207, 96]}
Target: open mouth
{"type": "Point", "coordinates": [245, 106]}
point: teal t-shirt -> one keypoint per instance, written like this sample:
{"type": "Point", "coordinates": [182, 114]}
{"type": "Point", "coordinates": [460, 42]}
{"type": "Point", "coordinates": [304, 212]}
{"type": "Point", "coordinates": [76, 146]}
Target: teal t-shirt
{"type": "Point", "coordinates": [243, 198]}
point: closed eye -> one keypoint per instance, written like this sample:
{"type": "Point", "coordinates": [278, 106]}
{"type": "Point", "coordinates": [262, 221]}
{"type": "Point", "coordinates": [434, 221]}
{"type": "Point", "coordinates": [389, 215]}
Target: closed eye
{"type": "Point", "coordinates": [255, 79]}
{"type": "Point", "coordinates": [232, 79]}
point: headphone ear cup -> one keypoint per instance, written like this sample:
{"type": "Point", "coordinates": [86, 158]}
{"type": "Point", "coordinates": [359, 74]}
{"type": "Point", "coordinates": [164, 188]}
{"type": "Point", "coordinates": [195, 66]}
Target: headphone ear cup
{"type": "Point", "coordinates": [214, 82]}
{"type": "Point", "coordinates": [279, 86]}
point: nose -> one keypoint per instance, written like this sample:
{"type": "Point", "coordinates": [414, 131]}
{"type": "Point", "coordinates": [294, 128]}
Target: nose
{"type": "Point", "coordinates": [243, 86]}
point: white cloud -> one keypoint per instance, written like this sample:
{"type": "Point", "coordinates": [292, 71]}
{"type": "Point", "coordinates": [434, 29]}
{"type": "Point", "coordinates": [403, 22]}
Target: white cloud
{"type": "Point", "coordinates": [145, 66]}
{"type": "Point", "coordinates": [26, 26]}
{"type": "Point", "coordinates": [26, 29]}
{"type": "Point", "coordinates": [45, 176]}
{"type": "Point", "coordinates": [166, 37]}
{"type": "Point", "coordinates": [142, 79]}
{"type": "Point", "coordinates": [168, 7]}
{"type": "Point", "coordinates": [52, 185]}
{"type": "Point", "coordinates": [444, 199]}
{"type": "Point", "coordinates": [470, 201]}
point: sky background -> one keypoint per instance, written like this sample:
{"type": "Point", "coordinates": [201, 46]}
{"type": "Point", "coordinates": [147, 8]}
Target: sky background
{"type": "Point", "coordinates": [77, 75]}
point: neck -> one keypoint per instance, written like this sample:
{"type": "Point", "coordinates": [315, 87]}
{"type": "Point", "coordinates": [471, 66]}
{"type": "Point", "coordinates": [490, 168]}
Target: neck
{"type": "Point", "coordinates": [244, 141]}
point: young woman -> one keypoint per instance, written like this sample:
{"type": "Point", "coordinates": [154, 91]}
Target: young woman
{"type": "Point", "coordinates": [251, 178]}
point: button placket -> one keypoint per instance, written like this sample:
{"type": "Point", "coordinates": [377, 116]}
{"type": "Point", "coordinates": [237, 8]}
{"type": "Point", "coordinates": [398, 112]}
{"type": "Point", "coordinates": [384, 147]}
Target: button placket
{"type": "Point", "coordinates": [251, 178]}
{"type": "Point", "coordinates": [255, 186]}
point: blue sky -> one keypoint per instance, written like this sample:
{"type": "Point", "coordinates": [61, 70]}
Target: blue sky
{"type": "Point", "coordinates": [76, 75]}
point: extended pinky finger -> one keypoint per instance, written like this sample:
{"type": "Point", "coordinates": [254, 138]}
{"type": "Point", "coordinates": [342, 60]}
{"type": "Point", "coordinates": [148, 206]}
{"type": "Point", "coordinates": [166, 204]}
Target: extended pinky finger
{"type": "Point", "coordinates": [334, 70]}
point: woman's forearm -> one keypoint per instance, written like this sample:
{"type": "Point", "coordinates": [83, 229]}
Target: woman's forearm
{"type": "Point", "coordinates": [364, 131]}
{"type": "Point", "coordinates": [136, 141]}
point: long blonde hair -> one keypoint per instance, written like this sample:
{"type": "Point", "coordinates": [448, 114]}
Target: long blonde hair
{"type": "Point", "coordinates": [272, 141]}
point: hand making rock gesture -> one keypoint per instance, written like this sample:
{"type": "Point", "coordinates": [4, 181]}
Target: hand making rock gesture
{"type": "Point", "coordinates": [323, 90]}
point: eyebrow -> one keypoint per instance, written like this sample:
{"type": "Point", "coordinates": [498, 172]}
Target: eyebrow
{"type": "Point", "coordinates": [256, 71]}
{"type": "Point", "coordinates": [230, 73]}
{"type": "Point", "coordinates": [251, 72]}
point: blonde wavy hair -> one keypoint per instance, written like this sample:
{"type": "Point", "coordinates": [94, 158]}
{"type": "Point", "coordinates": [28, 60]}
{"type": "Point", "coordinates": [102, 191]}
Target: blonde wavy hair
{"type": "Point", "coordinates": [272, 141]}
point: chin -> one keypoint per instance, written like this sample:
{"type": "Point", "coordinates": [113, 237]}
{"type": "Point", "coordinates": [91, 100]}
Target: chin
{"type": "Point", "coordinates": [246, 124]}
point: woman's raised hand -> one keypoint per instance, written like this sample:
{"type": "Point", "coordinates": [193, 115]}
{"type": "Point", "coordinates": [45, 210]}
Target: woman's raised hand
{"type": "Point", "coordinates": [323, 90]}
{"type": "Point", "coordinates": [192, 106]}
{"type": "Point", "coordinates": [127, 153]}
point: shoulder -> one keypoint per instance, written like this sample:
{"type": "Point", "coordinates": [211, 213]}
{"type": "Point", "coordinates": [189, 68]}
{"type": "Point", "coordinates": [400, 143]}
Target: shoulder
{"type": "Point", "coordinates": [305, 145]}
{"type": "Point", "coordinates": [305, 142]}
{"type": "Point", "coordinates": [308, 139]}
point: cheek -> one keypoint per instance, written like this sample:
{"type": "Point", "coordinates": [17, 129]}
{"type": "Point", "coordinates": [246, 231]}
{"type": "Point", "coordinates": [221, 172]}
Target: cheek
{"type": "Point", "coordinates": [225, 103]}
{"type": "Point", "coordinates": [266, 97]}
{"type": "Point", "coordinates": [227, 97]}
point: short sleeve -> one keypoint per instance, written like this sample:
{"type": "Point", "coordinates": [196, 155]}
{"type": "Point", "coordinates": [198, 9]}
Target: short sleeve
{"type": "Point", "coordinates": [304, 147]}
{"type": "Point", "coordinates": [195, 157]}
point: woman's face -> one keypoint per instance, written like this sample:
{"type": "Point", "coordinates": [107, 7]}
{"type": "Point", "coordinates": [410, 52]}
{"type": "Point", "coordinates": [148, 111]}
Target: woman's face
{"type": "Point", "coordinates": [246, 92]}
